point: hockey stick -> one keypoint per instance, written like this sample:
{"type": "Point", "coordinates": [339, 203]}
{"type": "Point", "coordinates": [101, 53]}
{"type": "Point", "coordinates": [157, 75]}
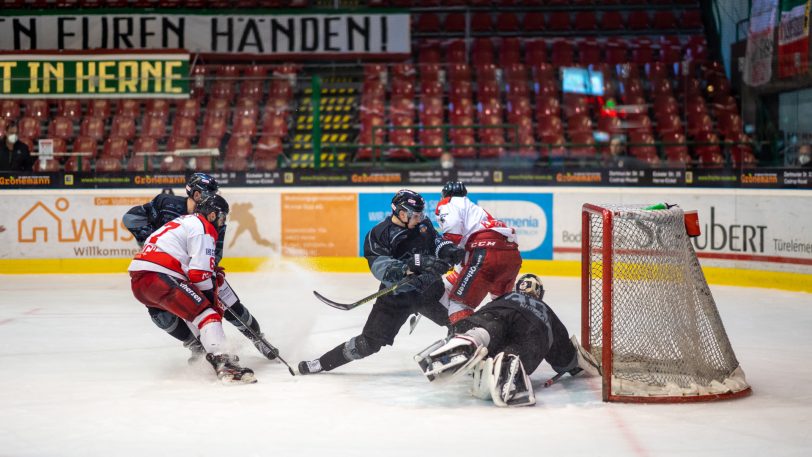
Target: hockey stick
{"type": "Point", "coordinates": [261, 339]}
{"type": "Point", "coordinates": [555, 378]}
{"type": "Point", "coordinates": [380, 293]}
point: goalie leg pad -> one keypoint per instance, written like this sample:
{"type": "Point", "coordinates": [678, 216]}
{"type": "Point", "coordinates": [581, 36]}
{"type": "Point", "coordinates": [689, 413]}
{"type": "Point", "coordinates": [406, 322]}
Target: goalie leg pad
{"type": "Point", "coordinates": [453, 358]}
{"type": "Point", "coordinates": [510, 385]}
{"type": "Point", "coordinates": [586, 362]}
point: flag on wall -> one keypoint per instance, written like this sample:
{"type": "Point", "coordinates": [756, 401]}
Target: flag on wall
{"type": "Point", "coordinates": [793, 38]}
{"type": "Point", "coordinates": [758, 59]}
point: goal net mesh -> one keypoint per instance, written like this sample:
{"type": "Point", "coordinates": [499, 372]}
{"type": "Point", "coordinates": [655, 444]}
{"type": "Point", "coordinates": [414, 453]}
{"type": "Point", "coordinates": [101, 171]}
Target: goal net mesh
{"type": "Point", "coordinates": [667, 336]}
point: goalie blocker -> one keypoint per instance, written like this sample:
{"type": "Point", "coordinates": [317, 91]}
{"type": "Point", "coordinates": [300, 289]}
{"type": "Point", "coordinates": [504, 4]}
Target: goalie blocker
{"type": "Point", "coordinates": [505, 341]}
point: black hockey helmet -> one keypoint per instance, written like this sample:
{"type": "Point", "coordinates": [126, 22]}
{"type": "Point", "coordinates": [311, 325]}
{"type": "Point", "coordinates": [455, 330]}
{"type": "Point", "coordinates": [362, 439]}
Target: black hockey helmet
{"type": "Point", "coordinates": [454, 189]}
{"type": "Point", "coordinates": [202, 183]}
{"type": "Point", "coordinates": [213, 203]}
{"type": "Point", "coordinates": [530, 284]}
{"type": "Point", "coordinates": [409, 201]}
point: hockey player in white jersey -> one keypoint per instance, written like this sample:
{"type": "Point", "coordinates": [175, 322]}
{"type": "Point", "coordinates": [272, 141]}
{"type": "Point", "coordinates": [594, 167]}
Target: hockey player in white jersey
{"type": "Point", "coordinates": [503, 343]}
{"type": "Point", "coordinates": [491, 258]}
{"type": "Point", "coordinates": [175, 272]}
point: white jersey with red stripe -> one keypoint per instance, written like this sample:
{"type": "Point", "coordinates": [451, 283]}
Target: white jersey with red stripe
{"type": "Point", "coordinates": [183, 248]}
{"type": "Point", "coordinates": [460, 218]}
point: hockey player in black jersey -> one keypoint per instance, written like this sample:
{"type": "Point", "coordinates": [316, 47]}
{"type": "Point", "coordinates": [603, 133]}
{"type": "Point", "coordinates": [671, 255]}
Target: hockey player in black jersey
{"type": "Point", "coordinates": [142, 220]}
{"type": "Point", "coordinates": [503, 342]}
{"type": "Point", "coordinates": [404, 244]}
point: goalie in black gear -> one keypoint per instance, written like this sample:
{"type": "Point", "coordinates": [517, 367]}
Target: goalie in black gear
{"type": "Point", "coordinates": [515, 332]}
{"type": "Point", "coordinates": [403, 244]}
{"type": "Point", "coordinates": [143, 220]}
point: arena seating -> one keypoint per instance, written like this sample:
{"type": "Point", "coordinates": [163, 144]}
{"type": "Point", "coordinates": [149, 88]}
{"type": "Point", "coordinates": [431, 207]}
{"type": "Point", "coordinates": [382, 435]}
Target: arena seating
{"type": "Point", "coordinates": [495, 94]}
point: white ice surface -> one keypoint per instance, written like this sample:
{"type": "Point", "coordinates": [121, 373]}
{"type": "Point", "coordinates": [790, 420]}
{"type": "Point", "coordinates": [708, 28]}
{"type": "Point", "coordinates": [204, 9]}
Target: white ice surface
{"type": "Point", "coordinates": [86, 373]}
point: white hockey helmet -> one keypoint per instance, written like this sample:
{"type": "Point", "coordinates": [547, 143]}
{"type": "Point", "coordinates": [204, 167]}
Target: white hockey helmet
{"type": "Point", "coordinates": [530, 284]}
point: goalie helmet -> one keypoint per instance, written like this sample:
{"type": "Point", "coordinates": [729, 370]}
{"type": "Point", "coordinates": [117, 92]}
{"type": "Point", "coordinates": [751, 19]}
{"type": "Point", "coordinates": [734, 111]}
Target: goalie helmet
{"type": "Point", "coordinates": [454, 189]}
{"type": "Point", "coordinates": [213, 203]}
{"type": "Point", "coordinates": [203, 183]}
{"type": "Point", "coordinates": [530, 284]}
{"type": "Point", "coordinates": [409, 201]}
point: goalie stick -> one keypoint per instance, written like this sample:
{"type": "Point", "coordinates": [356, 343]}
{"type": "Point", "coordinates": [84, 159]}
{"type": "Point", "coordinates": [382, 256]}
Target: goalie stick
{"type": "Point", "coordinates": [349, 306]}
{"type": "Point", "coordinates": [262, 339]}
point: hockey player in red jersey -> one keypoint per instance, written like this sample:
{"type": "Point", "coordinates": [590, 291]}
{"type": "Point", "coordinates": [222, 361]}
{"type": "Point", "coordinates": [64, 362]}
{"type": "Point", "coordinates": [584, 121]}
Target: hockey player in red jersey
{"type": "Point", "coordinates": [503, 343]}
{"type": "Point", "coordinates": [175, 272]}
{"type": "Point", "coordinates": [143, 220]}
{"type": "Point", "coordinates": [492, 258]}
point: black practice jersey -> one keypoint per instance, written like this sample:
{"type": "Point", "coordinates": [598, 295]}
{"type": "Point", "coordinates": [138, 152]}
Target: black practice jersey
{"type": "Point", "coordinates": [536, 311]}
{"type": "Point", "coordinates": [388, 246]}
{"type": "Point", "coordinates": [143, 220]}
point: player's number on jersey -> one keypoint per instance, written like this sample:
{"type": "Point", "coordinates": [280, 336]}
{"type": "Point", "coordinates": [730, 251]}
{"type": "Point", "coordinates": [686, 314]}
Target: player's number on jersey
{"type": "Point", "coordinates": [149, 247]}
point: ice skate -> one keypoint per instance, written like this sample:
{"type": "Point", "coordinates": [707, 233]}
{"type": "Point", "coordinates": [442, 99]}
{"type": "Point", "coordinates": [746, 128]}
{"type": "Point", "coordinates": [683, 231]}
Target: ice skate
{"type": "Point", "coordinates": [197, 350]}
{"type": "Point", "coordinates": [229, 371]}
{"type": "Point", "coordinates": [269, 352]}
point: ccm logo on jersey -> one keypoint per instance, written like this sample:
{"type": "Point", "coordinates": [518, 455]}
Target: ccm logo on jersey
{"type": "Point", "coordinates": [209, 252]}
{"type": "Point", "coordinates": [483, 244]}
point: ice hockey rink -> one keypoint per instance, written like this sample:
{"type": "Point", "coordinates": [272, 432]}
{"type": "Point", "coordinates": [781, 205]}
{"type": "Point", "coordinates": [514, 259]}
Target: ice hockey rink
{"type": "Point", "coordinates": [86, 373]}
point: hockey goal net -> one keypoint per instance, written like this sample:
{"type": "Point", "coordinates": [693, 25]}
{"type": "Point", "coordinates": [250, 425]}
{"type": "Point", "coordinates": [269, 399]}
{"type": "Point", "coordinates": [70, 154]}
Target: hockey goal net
{"type": "Point", "coordinates": [648, 316]}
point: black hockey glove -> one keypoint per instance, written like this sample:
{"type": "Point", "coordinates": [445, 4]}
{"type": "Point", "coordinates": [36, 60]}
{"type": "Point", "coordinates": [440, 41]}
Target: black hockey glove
{"type": "Point", "coordinates": [423, 281]}
{"type": "Point", "coordinates": [421, 263]}
{"type": "Point", "coordinates": [451, 253]}
{"type": "Point", "coordinates": [395, 272]}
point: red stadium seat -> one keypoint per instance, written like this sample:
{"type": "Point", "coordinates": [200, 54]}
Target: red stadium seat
{"type": "Point", "coordinates": [508, 22]}
{"type": "Point", "coordinates": [559, 21]}
{"type": "Point", "coordinates": [612, 20]}
{"type": "Point", "coordinates": [534, 21]}
{"type": "Point", "coordinates": [401, 142]}
{"type": "Point", "coordinates": [691, 19]}
{"type": "Point", "coordinates": [61, 127]}
{"type": "Point", "coordinates": [562, 53]}
{"type": "Point", "coordinates": [616, 52]}
{"type": "Point", "coordinates": [129, 107]}
{"type": "Point", "coordinates": [77, 164]}
{"type": "Point", "coordinates": [582, 145]}
{"type": "Point", "coordinates": [589, 53]}
{"type": "Point", "coordinates": [29, 127]}
{"type": "Point", "coordinates": [223, 89]}
{"type": "Point", "coordinates": [9, 109]}
{"type": "Point", "coordinates": [579, 123]}
{"type": "Point", "coordinates": [154, 127]}
{"type": "Point", "coordinates": [429, 52]}
{"type": "Point", "coordinates": [454, 23]}
{"type": "Point", "coordinates": [98, 107]}
{"type": "Point", "coordinates": [456, 52]}
{"type": "Point", "coordinates": [585, 21]}
{"type": "Point", "coordinates": [145, 144]}
{"type": "Point", "coordinates": [664, 19]}
{"type": "Point", "coordinates": [235, 164]}
{"type": "Point", "coordinates": [178, 142]}
{"type": "Point", "coordinates": [638, 20]}
{"type": "Point", "coordinates": [214, 126]}
{"type": "Point", "coordinates": [69, 108]}
{"type": "Point", "coordinates": [481, 22]}
{"type": "Point", "coordinates": [185, 127]}
{"type": "Point", "coordinates": [239, 146]}
{"type": "Point", "coordinates": [115, 147]}
{"type": "Point", "coordinates": [123, 127]}
{"type": "Point", "coordinates": [427, 23]}
{"type": "Point", "coordinates": [482, 52]}
{"type": "Point", "coordinates": [47, 166]}
{"type": "Point", "coordinates": [536, 52]}
{"type": "Point", "coordinates": [244, 126]}
{"type": "Point", "coordinates": [108, 164]}
{"type": "Point", "coordinates": [139, 164]}
{"type": "Point", "coordinates": [252, 89]}
{"type": "Point", "coordinates": [37, 109]}
{"type": "Point", "coordinates": [189, 108]}
{"type": "Point", "coordinates": [173, 163]}
{"type": "Point", "coordinates": [158, 107]}
{"type": "Point", "coordinates": [268, 146]}
{"type": "Point", "coordinates": [85, 144]}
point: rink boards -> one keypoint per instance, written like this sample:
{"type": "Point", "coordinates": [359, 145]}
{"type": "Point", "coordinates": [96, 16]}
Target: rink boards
{"type": "Point", "coordinates": [749, 237]}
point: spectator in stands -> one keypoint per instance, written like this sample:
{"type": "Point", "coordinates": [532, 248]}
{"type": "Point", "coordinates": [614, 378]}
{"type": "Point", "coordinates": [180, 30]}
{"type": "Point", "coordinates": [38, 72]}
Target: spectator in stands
{"type": "Point", "coordinates": [804, 158]}
{"type": "Point", "coordinates": [446, 160]}
{"type": "Point", "coordinates": [617, 156]}
{"type": "Point", "coordinates": [14, 154]}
